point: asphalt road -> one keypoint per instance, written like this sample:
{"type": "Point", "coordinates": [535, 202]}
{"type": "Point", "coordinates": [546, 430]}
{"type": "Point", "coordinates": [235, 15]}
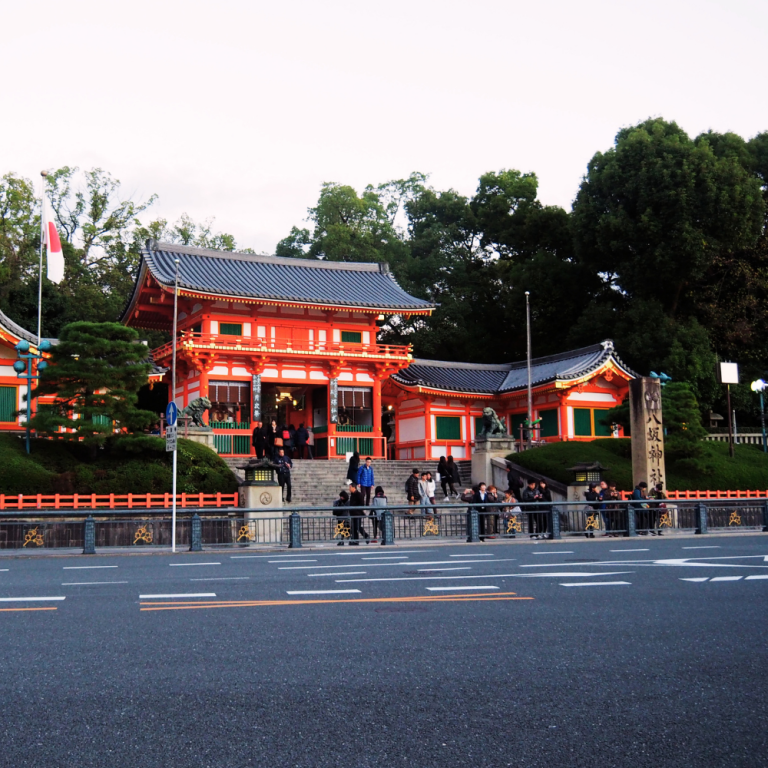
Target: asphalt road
{"type": "Point", "coordinates": [650, 652]}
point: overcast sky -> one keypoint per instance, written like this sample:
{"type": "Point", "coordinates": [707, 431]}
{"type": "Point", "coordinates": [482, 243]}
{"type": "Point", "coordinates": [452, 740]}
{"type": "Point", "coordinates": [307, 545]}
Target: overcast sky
{"type": "Point", "coordinates": [240, 110]}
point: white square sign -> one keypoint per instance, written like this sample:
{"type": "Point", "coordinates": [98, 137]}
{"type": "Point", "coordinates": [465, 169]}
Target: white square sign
{"type": "Point", "coordinates": [729, 373]}
{"type": "Point", "coordinates": [170, 437]}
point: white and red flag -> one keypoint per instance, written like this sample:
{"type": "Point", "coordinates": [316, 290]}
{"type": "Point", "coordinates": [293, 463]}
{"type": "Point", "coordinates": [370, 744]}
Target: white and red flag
{"type": "Point", "coordinates": [53, 244]}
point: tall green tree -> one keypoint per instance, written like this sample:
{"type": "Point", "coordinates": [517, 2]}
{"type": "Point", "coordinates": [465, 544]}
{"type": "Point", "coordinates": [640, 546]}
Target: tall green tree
{"type": "Point", "coordinates": [94, 373]}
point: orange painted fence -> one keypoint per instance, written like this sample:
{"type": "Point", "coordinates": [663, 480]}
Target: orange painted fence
{"type": "Point", "coordinates": [696, 495]}
{"type": "Point", "coordinates": [116, 501]}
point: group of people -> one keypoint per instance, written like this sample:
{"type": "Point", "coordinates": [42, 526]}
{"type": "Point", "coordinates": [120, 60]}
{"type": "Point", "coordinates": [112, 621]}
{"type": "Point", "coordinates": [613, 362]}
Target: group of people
{"type": "Point", "coordinates": [268, 440]}
{"type": "Point", "coordinates": [350, 508]}
{"type": "Point", "coordinates": [648, 507]}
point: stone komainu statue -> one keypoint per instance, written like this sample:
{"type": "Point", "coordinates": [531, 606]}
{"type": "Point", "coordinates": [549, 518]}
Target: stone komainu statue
{"type": "Point", "coordinates": [492, 424]}
{"type": "Point", "coordinates": [196, 409]}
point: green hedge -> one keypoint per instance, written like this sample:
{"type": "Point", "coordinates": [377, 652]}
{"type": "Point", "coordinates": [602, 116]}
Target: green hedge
{"type": "Point", "coordinates": [132, 465]}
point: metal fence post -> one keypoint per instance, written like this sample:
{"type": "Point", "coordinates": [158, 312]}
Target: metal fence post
{"type": "Point", "coordinates": [388, 525]}
{"type": "Point", "coordinates": [554, 522]}
{"type": "Point", "coordinates": [196, 538]}
{"type": "Point", "coordinates": [765, 517]}
{"type": "Point", "coordinates": [89, 536]}
{"type": "Point", "coordinates": [294, 530]}
{"type": "Point", "coordinates": [701, 518]}
{"type": "Point", "coordinates": [631, 521]}
{"type": "Point", "coordinates": [473, 525]}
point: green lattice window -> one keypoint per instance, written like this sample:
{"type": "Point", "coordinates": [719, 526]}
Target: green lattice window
{"type": "Point", "coordinates": [7, 403]}
{"type": "Point", "coordinates": [549, 426]}
{"type": "Point", "coordinates": [351, 337]}
{"type": "Point", "coordinates": [448, 427]}
{"type": "Point", "coordinates": [231, 329]}
{"type": "Point", "coordinates": [582, 422]}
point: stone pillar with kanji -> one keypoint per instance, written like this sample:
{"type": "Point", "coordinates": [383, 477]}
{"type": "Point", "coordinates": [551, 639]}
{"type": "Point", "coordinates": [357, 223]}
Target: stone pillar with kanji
{"type": "Point", "coordinates": [647, 432]}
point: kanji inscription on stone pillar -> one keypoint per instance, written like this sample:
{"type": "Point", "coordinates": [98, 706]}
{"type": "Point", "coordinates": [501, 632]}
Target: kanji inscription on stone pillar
{"type": "Point", "coordinates": [647, 431]}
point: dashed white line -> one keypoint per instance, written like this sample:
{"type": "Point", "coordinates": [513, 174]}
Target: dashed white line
{"type": "Point", "coordinates": [184, 565]}
{"type": "Point", "coordinates": [710, 547]}
{"type": "Point", "coordinates": [566, 552]}
{"type": "Point", "coordinates": [599, 584]}
{"type": "Point", "coordinates": [291, 560]}
{"type": "Point", "coordinates": [725, 578]}
{"type": "Point", "coordinates": [343, 573]}
{"type": "Point", "coordinates": [453, 589]}
{"type": "Point", "coordinates": [383, 565]}
{"type": "Point", "coordinates": [188, 594]}
{"type": "Point", "coordinates": [463, 568]}
{"type": "Point", "coordinates": [629, 550]}
{"type": "Point", "coordinates": [697, 579]}
{"type": "Point", "coordinates": [761, 576]}
{"type": "Point", "coordinates": [472, 555]}
{"type": "Point", "coordinates": [392, 557]}
{"type": "Point", "coordinates": [28, 599]}
{"type": "Point", "coordinates": [3, 569]}
{"type": "Point", "coordinates": [86, 567]}
{"type": "Point", "coordinates": [485, 576]}
{"type": "Point", "coordinates": [85, 583]}
{"type": "Point", "coordinates": [222, 578]}
{"type": "Point", "coordinates": [325, 592]}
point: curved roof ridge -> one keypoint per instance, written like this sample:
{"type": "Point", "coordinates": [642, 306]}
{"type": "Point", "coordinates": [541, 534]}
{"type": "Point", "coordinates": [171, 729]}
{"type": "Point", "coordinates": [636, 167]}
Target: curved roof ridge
{"type": "Point", "coordinates": [556, 358]}
{"type": "Point", "coordinates": [16, 329]}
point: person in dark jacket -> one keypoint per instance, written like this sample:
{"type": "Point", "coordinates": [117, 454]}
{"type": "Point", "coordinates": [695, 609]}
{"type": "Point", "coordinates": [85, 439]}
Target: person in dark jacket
{"type": "Point", "coordinates": [378, 505]}
{"type": "Point", "coordinates": [271, 435]}
{"type": "Point", "coordinates": [259, 440]}
{"type": "Point", "coordinates": [283, 464]}
{"type": "Point", "coordinates": [481, 497]}
{"type": "Point", "coordinates": [412, 490]}
{"type": "Point", "coordinates": [514, 482]}
{"type": "Point", "coordinates": [445, 478]}
{"type": "Point", "coordinates": [341, 511]}
{"type": "Point", "coordinates": [290, 443]}
{"type": "Point", "coordinates": [302, 440]}
{"type": "Point", "coordinates": [357, 512]}
{"type": "Point", "coordinates": [643, 521]}
{"type": "Point", "coordinates": [593, 497]}
{"type": "Point", "coordinates": [544, 495]}
{"type": "Point", "coordinates": [453, 473]}
{"type": "Point", "coordinates": [352, 468]}
{"type": "Point", "coordinates": [531, 495]}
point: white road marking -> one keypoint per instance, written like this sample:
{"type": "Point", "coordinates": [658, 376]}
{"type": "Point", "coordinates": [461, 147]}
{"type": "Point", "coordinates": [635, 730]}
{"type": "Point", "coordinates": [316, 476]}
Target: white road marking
{"type": "Point", "coordinates": [28, 599]}
{"type": "Point", "coordinates": [699, 579]}
{"type": "Point", "coordinates": [464, 568]}
{"type": "Point", "coordinates": [345, 573]}
{"type": "Point", "coordinates": [382, 565]}
{"type": "Point", "coordinates": [453, 589]}
{"type": "Point", "coordinates": [761, 576]}
{"type": "Point", "coordinates": [599, 584]}
{"type": "Point", "coordinates": [184, 565]}
{"type": "Point", "coordinates": [3, 569]}
{"type": "Point", "coordinates": [567, 552]}
{"type": "Point", "coordinates": [325, 592]}
{"type": "Point", "coordinates": [222, 578]}
{"type": "Point", "coordinates": [84, 583]}
{"type": "Point", "coordinates": [709, 547]}
{"type": "Point", "coordinates": [629, 550]}
{"type": "Point", "coordinates": [472, 555]}
{"type": "Point", "coordinates": [363, 553]}
{"type": "Point", "coordinates": [189, 594]}
{"type": "Point", "coordinates": [725, 578]}
{"type": "Point", "coordinates": [291, 560]}
{"type": "Point", "coordinates": [392, 557]}
{"type": "Point", "coordinates": [485, 576]}
{"type": "Point", "coordinates": [86, 567]}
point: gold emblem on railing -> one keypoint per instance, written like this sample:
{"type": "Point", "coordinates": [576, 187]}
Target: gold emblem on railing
{"type": "Point", "coordinates": [341, 530]}
{"type": "Point", "coordinates": [735, 519]}
{"type": "Point", "coordinates": [243, 533]}
{"type": "Point", "coordinates": [514, 525]}
{"type": "Point", "coordinates": [33, 537]}
{"type": "Point", "coordinates": [142, 534]}
{"type": "Point", "coordinates": [665, 520]}
{"type": "Point", "coordinates": [593, 522]}
{"type": "Point", "coordinates": [430, 526]}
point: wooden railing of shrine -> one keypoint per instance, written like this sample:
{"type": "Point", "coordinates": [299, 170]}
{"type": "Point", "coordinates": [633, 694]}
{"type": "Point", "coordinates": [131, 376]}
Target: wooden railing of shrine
{"type": "Point", "coordinates": [116, 500]}
{"type": "Point", "coordinates": [290, 342]}
{"type": "Point", "coordinates": [695, 495]}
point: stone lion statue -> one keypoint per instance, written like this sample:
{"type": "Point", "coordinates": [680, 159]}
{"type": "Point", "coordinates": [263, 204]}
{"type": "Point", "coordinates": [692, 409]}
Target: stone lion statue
{"type": "Point", "coordinates": [492, 424]}
{"type": "Point", "coordinates": [196, 409]}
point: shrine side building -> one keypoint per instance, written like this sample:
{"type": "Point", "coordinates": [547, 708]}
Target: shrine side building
{"type": "Point", "coordinates": [266, 337]}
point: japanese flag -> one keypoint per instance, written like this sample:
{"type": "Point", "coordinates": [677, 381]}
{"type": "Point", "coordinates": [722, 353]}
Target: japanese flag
{"type": "Point", "coordinates": [53, 243]}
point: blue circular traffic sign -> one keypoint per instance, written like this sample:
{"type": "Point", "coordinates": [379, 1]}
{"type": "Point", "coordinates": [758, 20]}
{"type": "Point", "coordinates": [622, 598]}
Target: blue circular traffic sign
{"type": "Point", "coordinates": [171, 413]}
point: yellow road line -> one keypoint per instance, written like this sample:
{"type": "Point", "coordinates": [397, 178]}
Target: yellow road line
{"type": "Point", "coordinates": [29, 609]}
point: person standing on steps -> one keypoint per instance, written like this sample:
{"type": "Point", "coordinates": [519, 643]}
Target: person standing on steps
{"type": "Point", "coordinates": [352, 467]}
{"type": "Point", "coordinates": [412, 489]}
{"type": "Point", "coordinates": [357, 512]}
{"type": "Point", "coordinates": [301, 439]}
{"type": "Point", "coordinates": [365, 480]}
{"type": "Point", "coordinates": [454, 476]}
{"type": "Point", "coordinates": [378, 505]}
{"type": "Point", "coordinates": [283, 464]}
{"type": "Point", "coordinates": [259, 440]}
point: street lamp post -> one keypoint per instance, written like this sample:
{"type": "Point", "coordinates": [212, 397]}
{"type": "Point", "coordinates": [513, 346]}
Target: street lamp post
{"type": "Point", "coordinates": [23, 368]}
{"type": "Point", "coordinates": [759, 386]}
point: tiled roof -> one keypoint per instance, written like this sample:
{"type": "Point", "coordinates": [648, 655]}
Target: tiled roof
{"type": "Point", "coordinates": [16, 329]}
{"type": "Point", "coordinates": [248, 275]}
{"type": "Point", "coordinates": [509, 377]}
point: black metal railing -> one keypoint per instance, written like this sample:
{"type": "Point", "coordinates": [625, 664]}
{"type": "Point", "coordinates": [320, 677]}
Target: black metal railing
{"type": "Point", "coordinates": [104, 529]}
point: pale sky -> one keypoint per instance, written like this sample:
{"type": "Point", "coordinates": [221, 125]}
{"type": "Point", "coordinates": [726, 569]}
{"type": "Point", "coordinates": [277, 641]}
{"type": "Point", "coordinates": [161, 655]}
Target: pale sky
{"type": "Point", "coordinates": [240, 110]}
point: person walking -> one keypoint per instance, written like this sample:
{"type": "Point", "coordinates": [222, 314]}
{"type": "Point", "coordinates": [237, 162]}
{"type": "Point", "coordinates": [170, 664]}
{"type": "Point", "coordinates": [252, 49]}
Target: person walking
{"type": "Point", "coordinates": [378, 505]}
{"type": "Point", "coordinates": [302, 440]}
{"type": "Point", "coordinates": [365, 479]}
{"type": "Point", "coordinates": [357, 512]}
{"type": "Point", "coordinates": [283, 464]}
{"type": "Point", "coordinates": [412, 489]}
{"type": "Point", "coordinates": [444, 477]}
{"type": "Point", "coordinates": [593, 497]}
{"type": "Point", "coordinates": [259, 440]}
{"type": "Point", "coordinates": [352, 467]}
{"type": "Point", "coordinates": [454, 477]}
{"type": "Point", "coordinates": [431, 489]}
{"type": "Point", "coordinates": [341, 512]}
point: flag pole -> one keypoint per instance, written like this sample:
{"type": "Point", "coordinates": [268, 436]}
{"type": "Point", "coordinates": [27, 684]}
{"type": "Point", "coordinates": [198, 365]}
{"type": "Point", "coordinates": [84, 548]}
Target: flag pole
{"type": "Point", "coordinates": [43, 174]}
